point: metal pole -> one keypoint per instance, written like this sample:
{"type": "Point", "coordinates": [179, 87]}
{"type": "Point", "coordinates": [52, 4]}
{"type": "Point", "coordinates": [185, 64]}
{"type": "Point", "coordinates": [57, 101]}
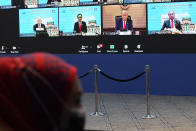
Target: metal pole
{"type": "Point", "coordinates": [148, 115]}
{"type": "Point", "coordinates": [96, 113]}
{"type": "Point", "coordinates": [96, 90]}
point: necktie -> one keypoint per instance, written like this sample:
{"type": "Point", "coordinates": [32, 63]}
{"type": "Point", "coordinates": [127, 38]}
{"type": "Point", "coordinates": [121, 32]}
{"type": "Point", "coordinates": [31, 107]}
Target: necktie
{"type": "Point", "coordinates": [124, 26]}
{"type": "Point", "coordinates": [172, 23]}
{"type": "Point", "coordinates": [80, 27]}
{"type": "Point", "coordinates": [39, 26]}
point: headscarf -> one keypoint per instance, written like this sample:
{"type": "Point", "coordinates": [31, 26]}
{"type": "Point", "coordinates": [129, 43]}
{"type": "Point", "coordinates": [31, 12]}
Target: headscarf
{"type": "Point", "coordinates": [28, 88]}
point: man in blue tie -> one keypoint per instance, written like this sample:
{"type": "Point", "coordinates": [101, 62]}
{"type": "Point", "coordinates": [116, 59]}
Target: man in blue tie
{"type": "Point", "coordinates": [124, 23]}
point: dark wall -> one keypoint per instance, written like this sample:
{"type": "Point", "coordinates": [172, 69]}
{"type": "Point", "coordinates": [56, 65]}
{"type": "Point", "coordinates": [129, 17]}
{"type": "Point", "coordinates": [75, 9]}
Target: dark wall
{"type": "Point", "coordinates": [170, 74]}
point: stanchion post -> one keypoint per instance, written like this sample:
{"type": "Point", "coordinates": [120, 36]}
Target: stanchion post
{"type": "Point", "coordinates": [96, 113]}
{"type": "Point", "coordinates": [148, 115]}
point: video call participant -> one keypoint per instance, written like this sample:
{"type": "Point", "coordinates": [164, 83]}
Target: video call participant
{"type": "Point", "coordinates": [50, 1]}
{"type": "Point", "coordinates": [172, 23]}
{"type": "Point", "coordinates": [18, 3]}
{"type": "Point", "coordinates": [39, 92]}
{"type": "Point", "coordinates": [124, 23]}
{"type": "Point", "coordinates": [40, 29]}
{"type": "Point", "coordinates": [80, 26]}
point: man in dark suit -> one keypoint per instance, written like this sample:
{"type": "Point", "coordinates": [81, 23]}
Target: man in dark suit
{"type": "Point", "coordinates": [40, 29]}
{"type": "Point", "coordinates": [18, 3]}
{"type": "Point", "coordinates": [124, 23]}
{"type": "Point", "coordinates": [172, 23]}
{"type": "Point", "coordinates": [80, 26]}
{"type": "Point", "coordinates": [49, 1]}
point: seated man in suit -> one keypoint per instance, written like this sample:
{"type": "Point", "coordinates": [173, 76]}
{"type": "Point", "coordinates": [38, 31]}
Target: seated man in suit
{"type": "Point", "coordinates": [80, 26]}
{"type": "Point", "coordinates": [40, 28]}
{"type": "Point", "coordinates": [18, 3]}
{"type": "Point", "coordinates": [123, 23]}
{"type": "Point", "coordinates": [50, 1]}
{"type": "Point", "coordinates": [172, 24]}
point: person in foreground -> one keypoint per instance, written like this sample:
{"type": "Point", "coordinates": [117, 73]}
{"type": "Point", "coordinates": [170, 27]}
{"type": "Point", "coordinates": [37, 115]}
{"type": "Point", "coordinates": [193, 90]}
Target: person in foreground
{"type": "Point", "coordinates": [39, 92]}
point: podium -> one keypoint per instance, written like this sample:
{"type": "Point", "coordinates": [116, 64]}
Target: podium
{"type": "Point", "coordinates": [41, 34]}
{"type": "Point", "coordinates": [170, 31]}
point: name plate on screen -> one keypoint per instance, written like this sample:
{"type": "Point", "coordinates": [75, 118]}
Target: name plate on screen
{"type": "Point", "coordinates": [39, 29]}
{"type": "Point", "coordinates": [32, 6]}
{"type": "Point", "coordinates": [125, 32]}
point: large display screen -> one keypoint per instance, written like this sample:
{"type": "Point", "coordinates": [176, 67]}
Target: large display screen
{"type": "Point", "coordinates": [86, 2]}
{"type": "Point", "coordinates": [145, 1]}
{"type": "Point", "coordinates": [42, 1]}
{"type": "Point", "coordinates": [90, 22]}
{"type": "Point", "coordinates": [38, 22]}
{"type": "Point", "coordinates": [47, 3]}
{"type": "Point", "coordinates": [172, 18]}
{"type": "Point", "coordinates": [101, 26]}
{"type": "Point", "coordinates": [5, 3]}
{"type": "Point", "coordinates": [93, 2]}
{"type": "Point", "coordinates": [50, 3]}
{"type": "Point", "coordinates": [59, 2]}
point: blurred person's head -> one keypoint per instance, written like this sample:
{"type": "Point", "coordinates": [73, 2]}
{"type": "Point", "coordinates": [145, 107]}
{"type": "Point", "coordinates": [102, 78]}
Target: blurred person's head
{"type": "Point", "coordinates": [39, 20]}
{"type": "Point", "coordinates": [124, 15]}
{"type": "Point", "coordinates": [171, 15]}
{"type": "Point", "coordinates": [40, 92]}
{"type": "Point", "coordinates": [79, 16]}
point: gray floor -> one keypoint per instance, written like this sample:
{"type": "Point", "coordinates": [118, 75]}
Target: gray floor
{"type": "Point", "coordinates": [123, 113]}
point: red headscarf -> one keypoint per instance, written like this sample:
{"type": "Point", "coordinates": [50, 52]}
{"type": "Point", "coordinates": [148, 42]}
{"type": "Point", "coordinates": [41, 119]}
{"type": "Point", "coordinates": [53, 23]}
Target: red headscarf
{"type": "Point", "coordinates": [19, 109]}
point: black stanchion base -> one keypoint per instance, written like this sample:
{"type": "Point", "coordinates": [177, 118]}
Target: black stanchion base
{"type": "Point", "coordinates": [148, 116]}
{"type": "Point", "coordinates": [96, 114]}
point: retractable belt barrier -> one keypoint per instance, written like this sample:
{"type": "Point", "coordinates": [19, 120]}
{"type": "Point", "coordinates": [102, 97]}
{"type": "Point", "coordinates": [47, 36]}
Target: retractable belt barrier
{"type": "Point", "coordinates": [84, 75]}
{"type": "Point", "coordinates": [120, 80]}
{"type": "Point", "coordinates": [96, 69]}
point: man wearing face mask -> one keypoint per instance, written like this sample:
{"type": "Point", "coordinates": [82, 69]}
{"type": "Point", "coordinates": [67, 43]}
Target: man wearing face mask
{"type": "Point", "coordinates": [39, 92]}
